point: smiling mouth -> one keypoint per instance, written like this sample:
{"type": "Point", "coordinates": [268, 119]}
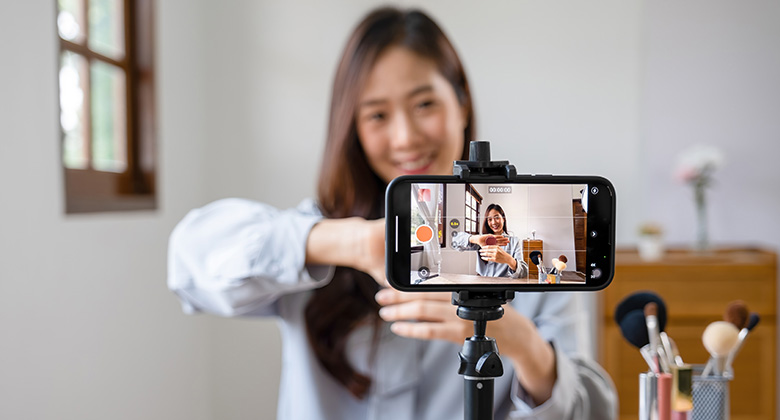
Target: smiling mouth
{"type": "Point", "coordinates": [417, 165]}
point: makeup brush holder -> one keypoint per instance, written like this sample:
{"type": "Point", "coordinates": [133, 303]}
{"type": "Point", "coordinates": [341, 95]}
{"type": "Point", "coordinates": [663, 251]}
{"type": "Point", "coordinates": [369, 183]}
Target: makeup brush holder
{"type": "Point", "coordinates": [547, 278]}
{"type": "Point", "coordinates": [554, 278]}
{"type": "Point", "coordinates": [710, 396]}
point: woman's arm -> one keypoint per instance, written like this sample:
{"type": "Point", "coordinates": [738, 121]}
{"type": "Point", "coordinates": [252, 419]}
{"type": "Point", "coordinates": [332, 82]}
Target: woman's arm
{"type": "Point", "coordinates": [465, 241]}
{"type": "Point", "coordinates": [351, 242]}
{"type": "Point", "coordinates": [237, 257]}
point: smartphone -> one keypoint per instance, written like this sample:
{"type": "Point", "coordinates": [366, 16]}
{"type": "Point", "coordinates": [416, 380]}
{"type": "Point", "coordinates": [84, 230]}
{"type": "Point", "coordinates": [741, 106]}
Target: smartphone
{"type": "Point", "coordinates": [527, 233]}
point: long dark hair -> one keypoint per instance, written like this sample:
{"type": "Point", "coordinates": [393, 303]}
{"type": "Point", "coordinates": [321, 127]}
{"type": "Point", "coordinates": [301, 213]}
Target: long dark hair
{"type": "Point", "coordinates": [485, 227]}
{"type": "Point", "coordinates": [347, 185]}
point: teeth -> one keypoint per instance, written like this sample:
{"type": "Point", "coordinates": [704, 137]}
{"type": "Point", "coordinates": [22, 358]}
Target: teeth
{"type": "Point", "coordinates": [415, 164]}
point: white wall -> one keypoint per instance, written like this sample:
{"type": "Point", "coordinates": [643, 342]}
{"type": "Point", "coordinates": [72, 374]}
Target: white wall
{"type": "Point", "coordinates": [711, 76]}
{"type": "Point", "coordinates": [606, 87]}
{"type": "Point", "coordinates": [87, 327]}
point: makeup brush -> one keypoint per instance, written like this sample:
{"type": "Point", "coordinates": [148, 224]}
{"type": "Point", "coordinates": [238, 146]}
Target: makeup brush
{"type": "Point", "coordinates": [737, 314]}
{"type": "Point", "coordinates": [634, 330]}
{"type": "Point", "coordinates": [743, 333]}
{"type": "Point", "coordinates": [536, 257]}
{"type": "Point", "coordinates": [719, 338]}
{"type": "Point", "coordinates": [560, 265]}
{"type": "Point", "coordinates": [638, 301]}
{"type": "Point", "coordinates": [654, 334]}
{"type": "Point", "coordinates": [555, 262]}
{"type": "Point", "coordinates": [676, 358]}
{"type": "Point", "coordinates": [670, 352]}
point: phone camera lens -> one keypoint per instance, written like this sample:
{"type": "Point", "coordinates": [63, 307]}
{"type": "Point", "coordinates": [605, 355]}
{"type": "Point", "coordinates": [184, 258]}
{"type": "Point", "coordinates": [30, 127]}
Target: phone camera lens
{"type": "Point", "coordinates": [594, 190]}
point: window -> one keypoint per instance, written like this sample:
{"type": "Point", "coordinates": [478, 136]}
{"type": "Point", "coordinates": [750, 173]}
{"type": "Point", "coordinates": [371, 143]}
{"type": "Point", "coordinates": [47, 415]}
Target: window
{"type": "Point", "coordinates": [107, 104]}
{"type": "Point", "coordinates": [471, 218]}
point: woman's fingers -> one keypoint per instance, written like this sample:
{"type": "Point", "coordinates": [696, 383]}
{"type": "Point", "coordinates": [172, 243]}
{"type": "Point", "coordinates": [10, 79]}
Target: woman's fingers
{"type": "Point", "coordinates": [392, 296]}
{"type": "Point", "coordinates": [502, 240]}
{"type": "Point", "coordinates": [419, 310]}
{"type": "Point", "coordinates": [426, 316]}
{"type": "Point", "coordinates": [489, 253]}
{"type": "Point", "coordinates": [454, 332]}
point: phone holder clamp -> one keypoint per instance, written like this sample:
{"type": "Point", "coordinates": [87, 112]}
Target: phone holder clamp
{"type": "Point", "coordinates": [480, 165]}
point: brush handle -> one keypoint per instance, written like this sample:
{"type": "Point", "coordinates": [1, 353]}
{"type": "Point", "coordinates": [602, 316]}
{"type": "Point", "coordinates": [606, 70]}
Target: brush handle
{"type": "Point", "coordinates": [733, 353]}
{"type": "Point", "coordinates": [667, 343]}
{"type": "Point", "coordinates": [650, 357]}
{"type": "Point", "coordinates": [707, 368]}
{"type": "Point", "coordinates": [663, 361]}
{"type": "Point", "coordinates": [716, 365]}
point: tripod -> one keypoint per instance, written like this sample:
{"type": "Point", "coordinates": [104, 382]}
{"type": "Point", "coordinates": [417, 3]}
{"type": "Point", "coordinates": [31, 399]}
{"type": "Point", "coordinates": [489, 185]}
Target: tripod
{"type": "Point", "coordinates": [479, 361]}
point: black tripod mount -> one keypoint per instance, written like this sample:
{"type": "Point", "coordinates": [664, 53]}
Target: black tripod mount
{"type": "Point", "coordinates": [479, 361]}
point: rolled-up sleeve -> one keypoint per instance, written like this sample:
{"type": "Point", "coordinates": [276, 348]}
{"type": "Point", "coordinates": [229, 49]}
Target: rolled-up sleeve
{"type": "Point", "coordinates": [461, 242]}
{"type": "Point", "coordinates": [237, 257]}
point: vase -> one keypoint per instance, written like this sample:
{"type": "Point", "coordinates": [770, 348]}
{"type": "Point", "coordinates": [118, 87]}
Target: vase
{"type": "Point", "coordinates": [702, 234]}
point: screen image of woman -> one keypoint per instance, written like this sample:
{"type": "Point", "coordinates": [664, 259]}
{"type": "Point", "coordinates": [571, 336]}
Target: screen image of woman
{"type": "Point", "coordinates": [500, 254]}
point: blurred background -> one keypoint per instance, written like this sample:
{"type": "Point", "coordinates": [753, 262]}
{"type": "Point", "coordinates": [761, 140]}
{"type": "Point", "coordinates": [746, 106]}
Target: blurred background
{"type": "Point", "coordinates": [88, 329]}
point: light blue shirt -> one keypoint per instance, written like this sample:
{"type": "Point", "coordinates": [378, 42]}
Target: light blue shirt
{"type": "Point", "coordinates": [237, 257]}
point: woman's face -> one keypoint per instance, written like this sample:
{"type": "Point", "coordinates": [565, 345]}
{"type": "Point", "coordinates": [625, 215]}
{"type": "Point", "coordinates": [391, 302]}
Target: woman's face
{"type": "Point", "coordinates": [409, 120]}
{"type": "Point", "coordinates": [495, 221]}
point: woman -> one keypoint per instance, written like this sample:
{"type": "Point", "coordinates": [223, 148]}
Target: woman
{"type": "Point", "coordinates": [401, 104]}
{"type": "Point", "coordinates": [503, 256]}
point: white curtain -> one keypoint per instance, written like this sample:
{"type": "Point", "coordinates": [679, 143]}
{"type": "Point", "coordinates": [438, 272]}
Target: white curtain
{"type": "Point", "coordinates": [431, 255]}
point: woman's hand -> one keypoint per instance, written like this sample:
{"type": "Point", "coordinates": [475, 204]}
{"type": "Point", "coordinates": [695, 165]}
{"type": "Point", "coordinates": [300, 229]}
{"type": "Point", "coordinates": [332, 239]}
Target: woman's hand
{"type": "Point", "coordinates": [494, 253]}
{"type": "Point", "coordinates": [481, 240]}
{"type": "Point", "coordinates": [352, 242]}
{"type": "Point", "coordinates": [423, 315]}
{"type": "Point", "coordinates": [431, 316]}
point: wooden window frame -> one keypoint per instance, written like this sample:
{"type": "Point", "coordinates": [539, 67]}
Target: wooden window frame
{"type": "Point", "coordinates": [470, 190]}
{"type": "Point", "coordinates": [90, 190]}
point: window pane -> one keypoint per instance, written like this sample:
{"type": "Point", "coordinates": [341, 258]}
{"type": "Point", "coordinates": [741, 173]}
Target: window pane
{"type": "Point", "coordinates": [109, 126]}
{"type": "Point", "coordinates": [73, 118]}
{"type": "Point", "coordinates": [70, 20]}
{"type": "Point", "coordinates": [107, 27]}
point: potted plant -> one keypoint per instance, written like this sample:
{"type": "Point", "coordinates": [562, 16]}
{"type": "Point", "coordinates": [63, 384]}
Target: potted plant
{"type": "Point", "coordinates": [651, 242]}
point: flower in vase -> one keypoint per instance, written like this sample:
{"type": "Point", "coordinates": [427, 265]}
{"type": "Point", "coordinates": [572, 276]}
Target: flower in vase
{"type": "Point", "coordinates": [695, 166]}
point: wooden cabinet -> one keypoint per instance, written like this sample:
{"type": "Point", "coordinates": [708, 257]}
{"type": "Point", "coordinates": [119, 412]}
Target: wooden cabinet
{"type": "Point", "coordinates": [530, 245]}
{"type": "Point", "coordinates": [697, 288]}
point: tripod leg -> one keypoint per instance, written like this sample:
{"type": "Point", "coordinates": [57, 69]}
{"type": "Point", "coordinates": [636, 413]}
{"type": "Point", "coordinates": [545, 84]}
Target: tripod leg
{"type": "Point", "coordinates": [479, 399]}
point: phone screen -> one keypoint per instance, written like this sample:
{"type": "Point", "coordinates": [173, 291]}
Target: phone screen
{"type": "Point", "coordinates": [537, 234]}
